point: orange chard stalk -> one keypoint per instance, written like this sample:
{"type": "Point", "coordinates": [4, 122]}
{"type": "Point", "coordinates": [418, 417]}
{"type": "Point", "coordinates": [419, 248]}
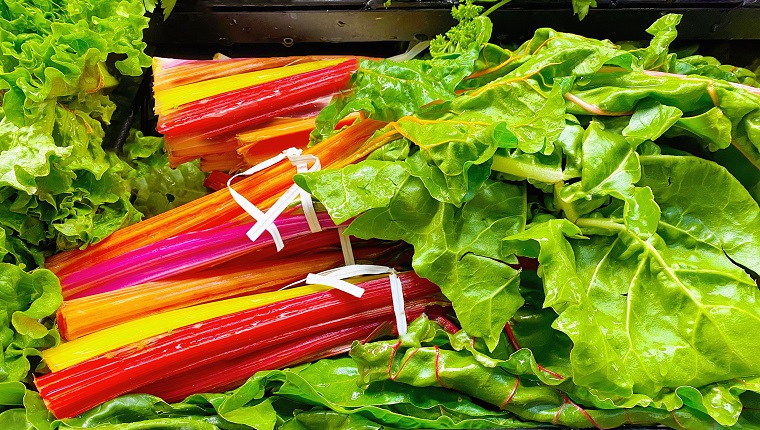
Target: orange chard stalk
{"type": "Point", "coordinates": [225, 161]}
{"type": "Point", "coordinates": [263, 143]}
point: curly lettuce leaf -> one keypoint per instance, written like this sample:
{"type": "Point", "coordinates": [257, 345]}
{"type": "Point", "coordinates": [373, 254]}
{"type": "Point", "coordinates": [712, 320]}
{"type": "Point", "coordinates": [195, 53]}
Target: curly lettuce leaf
{"type": "Point", "coordinates": [27, 298]}
{"type": "Point", "coordinates": [157, 187]}
{"type": "Point", "coordinates": [57, 49]}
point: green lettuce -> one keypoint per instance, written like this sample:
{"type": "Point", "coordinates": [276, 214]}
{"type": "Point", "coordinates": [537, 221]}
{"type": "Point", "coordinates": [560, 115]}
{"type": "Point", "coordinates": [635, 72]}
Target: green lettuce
{"type": "Point", "coordinates": [27, 300]}
{"type": "Point", "coordinates": [59, 189]}
{"type": "Point", "coordinates": [156, 187]}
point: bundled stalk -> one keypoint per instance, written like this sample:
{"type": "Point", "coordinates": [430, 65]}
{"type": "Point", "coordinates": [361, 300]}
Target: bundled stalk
{"type": "Point", "coordinates": [215, 209]}
{"type": "Point", "coordinates": [74, 389]}
{"type": "Point", "coordinates": [244, 275]}
{"type": "Point", "coordinates": [248, 106]}
{"type": "Point", "coordinates": [174, 73]}
{"type": "Point", "coordinates": [180, 254]}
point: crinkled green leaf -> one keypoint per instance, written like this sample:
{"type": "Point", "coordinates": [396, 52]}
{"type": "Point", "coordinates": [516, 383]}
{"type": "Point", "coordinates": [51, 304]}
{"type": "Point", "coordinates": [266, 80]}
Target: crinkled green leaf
{"type": "Point", "coordinates": [710, 67]}
{"type": "Point", "coordinates": [26, 299]}
{"type": "Point", "coordinates": [664, 32]}
{"type": "Point", "coordinates": [543, 171]}
{"type": "Point", "coordinates": [53, 50]}
{"type": "Point", "coordinates": [156, 186]}
{"type": "Point", "coordinates": [455, 246]}
{"type": "Point", "coordinates": [25, 152]}
{"type": "Point", "coordinates": [454, 156]}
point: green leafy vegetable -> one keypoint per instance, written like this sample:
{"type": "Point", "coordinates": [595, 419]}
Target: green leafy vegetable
{"type": "Point", "coordinates": [27, 298]}
{"type": "Point", "coordinates": [453, 246]}
{"type": "Point", "coordinates": [647, 246]}
{"type": "Point", "coordinates": [59, 189]}
{"type": "Point", "coordinates": [156, 186]}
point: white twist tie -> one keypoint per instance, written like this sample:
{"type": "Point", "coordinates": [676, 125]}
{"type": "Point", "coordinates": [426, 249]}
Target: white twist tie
{"type": "Point", "coordinates": [302, 165]}
{"type": "Point", "coordinates": [249, 207]}
{"type": "Point", "coordinates": [345, 246]}
{"type": "Point", "coordinates": [265, 221]}
{"type": "Point", "coordinates": [397, 293]}
{"type": "Point", "coordinates": [334, 278]}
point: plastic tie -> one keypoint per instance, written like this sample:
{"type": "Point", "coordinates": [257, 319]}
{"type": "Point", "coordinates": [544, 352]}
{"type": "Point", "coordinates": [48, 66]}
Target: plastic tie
{"type": "Point", "coordinates": [249, 207]}
{"type": "Point", "coordinates": [345, 246]}
{"type": "Point", "coordinates": [301, 162]}
{"type": "Point", "coordinates": [397, 294]}
{"type": "Point", "coordinates": [284, 201]}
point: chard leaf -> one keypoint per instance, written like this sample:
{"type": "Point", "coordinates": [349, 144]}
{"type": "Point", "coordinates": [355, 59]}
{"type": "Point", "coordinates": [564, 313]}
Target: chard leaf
{"type": "Point", "coordinates": [546, 242]}
{"type": "Point", "coordinates": [622, 92]}
{"type": "Point", "coordinates": [548, 55]}
{"type": "Point", "coordinates": [455, 246]}
{"type": "Point", "coordinates": [421, 361]}
{"type": "Point", "coordinates": [650, 120]}
{"type": "Point", "coordinates": [664, 31]}
{"type": "Point", "coordinates": [356, 188]}
{"type": "Point", "coordinates": [538, 169]}
{"type": "Point", "coordinates": [618, 305]}
{"type": "Point", "coordinates": [25, 152]}
{"type": "Point", "coordinates": [712, 127]}
{"type": "Point", "coordinates": [611, 168]}
{"type": "Point", "coordinates": [387, 90]}
{"type": "Point", "coordinates": [536, 117]}
{"type": "Point", "coordinates": [676, 181]}
{"type": "Point", "coordinates": [570, 142]}
{"type": "Point", "coordinates": [454, 156]}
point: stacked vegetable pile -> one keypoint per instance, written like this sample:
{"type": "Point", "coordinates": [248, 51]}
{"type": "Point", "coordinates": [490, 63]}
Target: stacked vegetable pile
{"type": "Point", "coordinates": [589, 210]}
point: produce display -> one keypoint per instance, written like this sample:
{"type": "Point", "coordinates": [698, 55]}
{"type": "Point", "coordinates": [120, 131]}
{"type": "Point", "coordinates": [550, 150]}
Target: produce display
{"type": "Point", "coordinates": [561, 233]}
